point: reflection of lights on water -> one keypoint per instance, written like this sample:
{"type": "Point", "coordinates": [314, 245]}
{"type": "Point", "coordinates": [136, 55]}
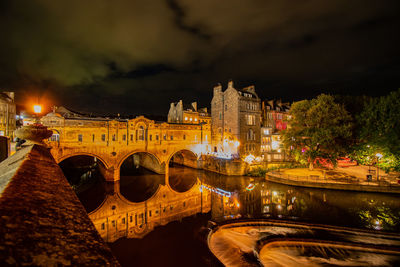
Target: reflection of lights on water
{"type": "Point", "coordinates": [377, 225]}
{"type": "Point", "coordinates": [218, 191]}
{"type": "Point", "coordinates": [250, 187]}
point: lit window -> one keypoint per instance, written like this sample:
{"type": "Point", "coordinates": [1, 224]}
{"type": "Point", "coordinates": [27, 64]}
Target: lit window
{"type": "Point", "coordinates": [55, 137]}
{"type": "Point", "coordinates": [141, 133]}
{"type": "Point", "coordinates": [251, 119]}
{"type": "Point", "coordinates": [186, 118]}
{"type": "Point", "coordinates": [195, 119]}
{"type": "Point", "coordinates": [191, 119]}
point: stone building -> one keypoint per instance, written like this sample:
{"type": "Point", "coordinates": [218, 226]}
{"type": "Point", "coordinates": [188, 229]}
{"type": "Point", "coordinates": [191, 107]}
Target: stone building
{"type": "Point", "coordinates": [180, 113]}
{"type": "Point", "coordinates": [7, 114]}
{"type": "Point", "coordinates": [235, 125]}
{"type": "Point", "coordinates": [274, 119]}
{"type": "Point", "coordinates": [190, 114]}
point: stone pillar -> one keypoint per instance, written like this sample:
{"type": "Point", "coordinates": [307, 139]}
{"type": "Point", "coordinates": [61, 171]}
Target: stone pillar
{"type": "Point", "coordinates": [111, 174]}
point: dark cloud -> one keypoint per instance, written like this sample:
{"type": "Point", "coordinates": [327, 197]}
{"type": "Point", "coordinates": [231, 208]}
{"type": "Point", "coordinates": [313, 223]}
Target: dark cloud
{"type": "Point", "coordinates": [136, 56]}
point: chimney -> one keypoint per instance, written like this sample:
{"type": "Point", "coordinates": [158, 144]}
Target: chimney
{"type": "Point", "coordinates": [230, 84]}
{"type": "Point", "coordinates": [217, 89]}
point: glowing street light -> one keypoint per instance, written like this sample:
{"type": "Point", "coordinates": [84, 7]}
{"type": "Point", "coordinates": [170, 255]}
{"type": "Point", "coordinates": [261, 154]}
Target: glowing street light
{"type": "Point", "coordinates": [379, 156]}
{"type": "Point", "coordinates": [37, 109]}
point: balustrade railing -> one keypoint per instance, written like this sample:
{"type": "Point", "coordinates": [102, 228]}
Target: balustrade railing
{"type": "Point", "coordinates": [383, 181]}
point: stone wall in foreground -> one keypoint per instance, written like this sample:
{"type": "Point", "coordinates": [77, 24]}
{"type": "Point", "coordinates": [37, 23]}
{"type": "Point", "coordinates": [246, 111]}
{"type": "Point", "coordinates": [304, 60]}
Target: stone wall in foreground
{"type": "Point", "coordinates": [42, 221]}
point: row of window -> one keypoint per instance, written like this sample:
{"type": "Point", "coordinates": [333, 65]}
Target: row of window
{"type": "Point", "coordinates": [190, 119]}
{"type": "Point", "coordinates": [11, 108]}
{"type": "Point", "coordinates": [140, 219]}
{"type": "Point", "coordinates": [250, 119]}
{"type": "Point", "coordinates": [250, 148]}
{"type": "Point", "coordinates": [3, 120]}
{"type": "Point", "coordinates": [251, 135]}
{"type": "Point", "coordinates": [251, 106]}
{"type": "Point", "coordinates": [139, 137]}
{"type": "Point", "coordinates": [278, 116]}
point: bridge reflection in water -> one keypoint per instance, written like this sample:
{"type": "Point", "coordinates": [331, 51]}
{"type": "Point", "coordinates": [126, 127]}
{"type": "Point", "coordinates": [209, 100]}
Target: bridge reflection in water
{"type": "Point", "coordinates": [126, 211]}
{"type": "Point", "coordinates": [118, 217]}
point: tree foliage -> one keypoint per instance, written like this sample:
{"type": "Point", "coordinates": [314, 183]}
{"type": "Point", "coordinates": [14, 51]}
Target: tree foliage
{"type": "Point", "coordinates": [319, 127]}
{"type": "Point", "coordinates": [379, 131]}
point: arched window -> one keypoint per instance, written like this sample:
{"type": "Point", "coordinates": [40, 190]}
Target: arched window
{"type": "Point", "coordinates": [250, 134]}
{"type": "Point", "coordinates": [141, 133]}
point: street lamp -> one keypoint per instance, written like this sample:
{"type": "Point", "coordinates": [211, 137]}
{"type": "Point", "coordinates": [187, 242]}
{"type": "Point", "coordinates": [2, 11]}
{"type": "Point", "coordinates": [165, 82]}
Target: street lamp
{"type": "Point", "coordinates": [379, 156]}
{"type": "Point", "coordinates": [37, 109]}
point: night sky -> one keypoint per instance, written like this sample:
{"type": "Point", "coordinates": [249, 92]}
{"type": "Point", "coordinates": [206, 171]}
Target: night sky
{"type": "Point", "coordinates": [135, 57]}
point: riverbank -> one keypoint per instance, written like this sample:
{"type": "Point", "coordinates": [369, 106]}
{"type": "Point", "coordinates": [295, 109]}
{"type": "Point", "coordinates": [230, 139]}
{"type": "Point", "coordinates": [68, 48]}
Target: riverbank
{"type": "Point", "coordinates": [332, 179]}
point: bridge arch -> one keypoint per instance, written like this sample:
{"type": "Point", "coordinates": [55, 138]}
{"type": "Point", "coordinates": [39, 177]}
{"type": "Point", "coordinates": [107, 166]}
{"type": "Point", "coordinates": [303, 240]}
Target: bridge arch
{"type": "Point", "coordinates": [181, 180]}
{"type": "Point", "coordinates": [154, 165]}
{"type": "Point", "coordinates": [184, 152]}
{"type": "Point", "coordinates": [64, 157]}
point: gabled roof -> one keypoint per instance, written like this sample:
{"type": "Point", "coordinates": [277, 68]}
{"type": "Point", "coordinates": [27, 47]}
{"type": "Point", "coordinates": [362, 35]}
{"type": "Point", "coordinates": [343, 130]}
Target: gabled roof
{"type": "Point", "coordinates": [5, 97]}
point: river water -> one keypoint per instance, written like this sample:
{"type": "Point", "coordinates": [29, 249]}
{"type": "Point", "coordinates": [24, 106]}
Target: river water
{"type": "Point", "coordinates": [182, 241]}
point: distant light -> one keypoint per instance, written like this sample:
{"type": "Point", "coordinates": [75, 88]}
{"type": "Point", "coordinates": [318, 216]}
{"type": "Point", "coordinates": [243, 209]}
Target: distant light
{"type": "Point", "coordinates": [37, 109]}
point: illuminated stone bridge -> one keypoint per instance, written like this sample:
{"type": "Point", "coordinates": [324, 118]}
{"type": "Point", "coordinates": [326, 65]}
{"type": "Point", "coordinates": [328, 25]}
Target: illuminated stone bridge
{"type": "Point", "coordinates": [151, 143]}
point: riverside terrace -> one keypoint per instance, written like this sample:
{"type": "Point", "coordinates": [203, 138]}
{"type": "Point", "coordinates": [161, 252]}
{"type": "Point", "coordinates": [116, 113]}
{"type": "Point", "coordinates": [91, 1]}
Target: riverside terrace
{"type": "Point", "coordinates": [350, 178]}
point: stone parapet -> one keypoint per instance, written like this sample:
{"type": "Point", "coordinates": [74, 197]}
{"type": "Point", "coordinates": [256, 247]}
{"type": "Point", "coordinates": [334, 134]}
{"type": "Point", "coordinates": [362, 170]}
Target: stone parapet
{"type": "Point", "coordinates": [42, 222]}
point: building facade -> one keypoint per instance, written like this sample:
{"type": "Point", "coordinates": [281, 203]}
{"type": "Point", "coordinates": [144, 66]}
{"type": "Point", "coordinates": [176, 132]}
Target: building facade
{"type": "Point", "coordinates": [235, 121]}
{"type": "Point", "coordinates": [180, 113]}
{"type": "Point", "coordinates": [274, 120]}
{"type": "Point", "coordinates": [7, 114]}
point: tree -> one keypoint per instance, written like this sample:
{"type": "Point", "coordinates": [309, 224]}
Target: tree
{"type": "Point", "coordinates": [380, 130]}
{"type": "Point", "coordinates": [318, 128]}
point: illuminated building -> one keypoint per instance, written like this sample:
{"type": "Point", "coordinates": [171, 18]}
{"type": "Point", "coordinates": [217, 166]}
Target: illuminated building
{"type": "Point", "coordinates": [7, 114]}
{"type": "Point", "coordinates": [274, 120]}
{"type": "Point", "coordinates": [181, 113]}
{"type": "Point", "coordinates": [235, 120]}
